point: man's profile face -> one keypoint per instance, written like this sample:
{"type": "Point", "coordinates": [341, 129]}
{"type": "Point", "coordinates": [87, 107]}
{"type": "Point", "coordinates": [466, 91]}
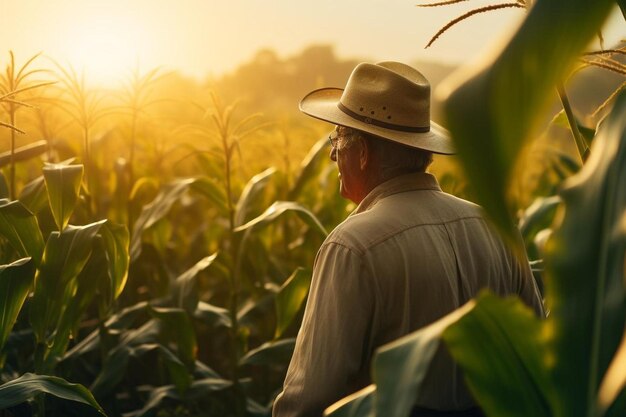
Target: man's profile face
{"type": "Point", "coordinates": [346, 155]}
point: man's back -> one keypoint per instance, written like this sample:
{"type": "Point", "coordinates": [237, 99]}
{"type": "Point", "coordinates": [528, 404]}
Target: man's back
{"type": "Point", "coordinates": [408, 255]}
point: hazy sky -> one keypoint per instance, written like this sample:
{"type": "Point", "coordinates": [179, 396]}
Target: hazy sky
{"type": "Point", "coordinates": [198, 37]}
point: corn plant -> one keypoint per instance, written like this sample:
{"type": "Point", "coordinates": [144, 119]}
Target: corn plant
{"type": "Point", "coordinates": [15, 81]}
{"type": "Point", "coordinates": [570, 364]}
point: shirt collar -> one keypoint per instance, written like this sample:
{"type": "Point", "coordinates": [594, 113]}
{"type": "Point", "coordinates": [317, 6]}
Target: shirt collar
{"type": "Point", "coordinates": [399, 184]}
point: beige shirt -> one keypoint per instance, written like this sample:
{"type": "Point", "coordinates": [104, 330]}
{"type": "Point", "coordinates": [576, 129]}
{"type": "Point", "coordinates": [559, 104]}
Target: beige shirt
{"type": "Point", "coordinates": [407, 256]}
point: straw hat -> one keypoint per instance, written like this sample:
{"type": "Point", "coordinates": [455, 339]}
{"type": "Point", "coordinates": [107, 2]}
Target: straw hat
{"type": "Point", "coordinates": [389, 99]}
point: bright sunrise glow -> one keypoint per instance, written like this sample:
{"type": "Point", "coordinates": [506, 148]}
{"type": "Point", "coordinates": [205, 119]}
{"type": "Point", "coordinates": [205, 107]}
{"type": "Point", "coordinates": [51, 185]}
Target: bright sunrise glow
{"type": "Point", "coordinates": [106, 49]}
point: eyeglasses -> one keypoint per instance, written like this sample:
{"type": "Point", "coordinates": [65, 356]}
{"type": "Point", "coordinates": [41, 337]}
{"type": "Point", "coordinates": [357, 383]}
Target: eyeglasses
{"type": "Point", "coordinates": [333, 139]}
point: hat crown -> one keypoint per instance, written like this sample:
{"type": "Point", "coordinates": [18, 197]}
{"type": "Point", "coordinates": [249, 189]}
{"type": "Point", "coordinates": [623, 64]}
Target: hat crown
{"type": "Point", "coordinates": [388, 92]}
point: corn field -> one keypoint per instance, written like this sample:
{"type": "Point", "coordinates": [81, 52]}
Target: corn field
{"type": "Point", "coordinates": [156, 242]}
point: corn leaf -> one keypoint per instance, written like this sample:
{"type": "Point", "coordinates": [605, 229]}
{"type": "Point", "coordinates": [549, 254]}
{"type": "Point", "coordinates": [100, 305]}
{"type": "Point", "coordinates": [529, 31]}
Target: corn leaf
{"type": "Point", "coordinates": [20, 228]}
{"type": "Point", "coordinates": [199, 389]}
{"type": "Point", "coordinates": [116, 245]}
{"type": "Point", "coordinates": [290, 298]}
{"type": "Point", "coordinates": [400, 367]}
{"type": "Point", "coordinates": [213, 192]}
{"type": "Point", "coordinates": [584, 276]}
{"type": "Point", "coordinates": [310, 168]}
{"type": "Point", "coordinates": [212, 315]}
{"type": "Point", "coordinates": [493, 108]}
{"type": "Point", "coordinates": [63, 184]}
{"type": "Point", "coordinates": [185, 291]}
{"type": "Point", "coordinates": [250, 195]}
{"type": "Point", "coordinates": [271, 353]}
{"type": "Point", "coordinates": [178, 328]}
{"type": "Point", "coordinates": [278, 209]}
{"type": "Point", "coordinates": [359, 404]}
{"type": "Point", "coordinates": [34, 195]}
{"type": "Point", "coordinates": [498, 344]}
{"type": "Point", "coordinates": [24, 152]}
{"type": "Point", "coordinates": [15, 282]}
{"type": "Point", "coordinates": [30, 385]}
{"type": "Point", "coordinates": [64, 257]}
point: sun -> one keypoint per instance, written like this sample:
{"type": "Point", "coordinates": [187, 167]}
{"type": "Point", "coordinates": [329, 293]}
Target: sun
{"type": "Point", "coordinates": [106, 48]}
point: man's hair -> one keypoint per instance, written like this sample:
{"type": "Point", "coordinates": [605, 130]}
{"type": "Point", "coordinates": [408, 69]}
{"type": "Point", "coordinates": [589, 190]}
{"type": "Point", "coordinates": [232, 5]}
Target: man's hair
{"type": "Point", "coordinates": [395, 159]}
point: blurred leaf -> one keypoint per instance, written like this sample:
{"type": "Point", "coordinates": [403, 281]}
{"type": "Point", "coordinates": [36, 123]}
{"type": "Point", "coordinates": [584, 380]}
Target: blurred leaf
{"type": "Point", "coordinates": [63, 184]}
{"type": "Point", "coordinates": [614, 381]}
{"type": "Point", "coordinates": [585, 268]}
{"type": "Point", "coordinates": [20, 228]}
{"type": "Point", "coordinates": [15, 282]}
{"type": "Point", "coordinates": [178, 326]}
{"type": "Point", "coordinates": [310, 168]}
{"type": "Point", "coordinates": [34, 195]}
{"type": "Point", "coordinates": [185, 291]}
{"type": "Point", "coordinates": [499, 346]}
{"type": "Point", "coordinates": [399, 367]}
{"type": "Point", "coordinates": [178, 372]}
{"type": "Point", "coordinates": [492, 109]}
{"type": "Point", "coordinates": [24, 153]}
{"type": "Point", "coordinates": [271, 353]}
{"type": "Point", "coordinates": [250, 194]}
{"type": "Point", "coordinates": [213, 315]}
{"type": "Point", "coordinates": [359, 404]}
{"type": "Point", "coordinates": [116, 242]}
{"type": "Point", "coordinates": [29, 385]}
{"type": "Point", "coordinates": [561, 120]}
{"type": "Point", "coordinates": [538, 216]}
{"type": "Point", "coordinates": [276, 210]}
{"type": "Point", "coordinates": [199, 389]}
{"type": "Point", "coordinates": [290, 298]}
{"type": "Point", "coordinates": [213, 192]}
{"type": "Point", "coordinates": [64, 257]}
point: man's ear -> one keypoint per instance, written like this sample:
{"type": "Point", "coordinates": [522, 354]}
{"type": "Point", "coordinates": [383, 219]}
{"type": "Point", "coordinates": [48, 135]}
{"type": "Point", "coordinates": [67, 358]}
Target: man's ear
{"type": "Point", "coordinates": [364, 154]}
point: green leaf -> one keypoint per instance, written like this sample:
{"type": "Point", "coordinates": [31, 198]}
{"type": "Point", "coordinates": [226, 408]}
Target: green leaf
{"type": "Point", "coordinates": [20, 228]}
{"type": "Point", "coordinates": [213, 192]}
{"type": "Point", "coordinates": [400, 367]}
{"type": "Point", "coordinates": [538, 216]}
{"type": "Point", "coordinates": [290, 298]}
{"type": "Point", "coordinates": [271, 353]}
{"type": "Point", "coordinates": [185, 291]}
{"type": "Point", "coordinates": [155, 211]}
{"type": "Point", "coordinates": [63, 184]}
{"type": "Point", "coordinates": [584, 269]}
{"type": "Point", "coordinates": [64, 257]}
{"type": "Point", "coordinates": [212, 315]}
{"type": "Point", "coordinates": [29, 385]}
{"type": "Point", "coordinates": [359, 404]}
{"type": "Point", "coordinates": [251, 193]}
{"type": "Point", "coordinates": [493, 108]}
{"type": "Point", "coordinates": [278, 209]}
{"type": "Point", "coordinates": [310, 168]}
{"type": "Point", "coordinates": [34, 195]}
{"type": "Point", "coordinates": [116, 243]}
{"type": "Point", "coordinates": [561, 120]}
{"type": "Point", "coordinates": [199, 389]}
{"type": "Point", "coordinates": [179, 329]}
{"type": "Point", "coordinates": [24, 153]}
{"type": "Point", "coordinates": [178, 372]}
{"type": "Point", "coordinates": [499, 346]}
{"type": "Point", "coordinates": [15, 282]}
{"type": "Point", "coordinates": [614, 383]}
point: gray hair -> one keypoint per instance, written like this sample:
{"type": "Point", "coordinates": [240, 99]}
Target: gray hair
{"type": "Point", "coordinates": [395, 159]}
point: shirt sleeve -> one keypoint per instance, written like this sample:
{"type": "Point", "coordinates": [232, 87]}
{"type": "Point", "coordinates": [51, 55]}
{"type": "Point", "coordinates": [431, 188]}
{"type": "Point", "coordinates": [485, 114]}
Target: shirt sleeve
{"type": "Point", "coordinates": [332, 349]}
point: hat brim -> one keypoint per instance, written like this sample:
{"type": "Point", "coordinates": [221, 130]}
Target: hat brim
{"type": "Point", "coordinates": [322, 104]}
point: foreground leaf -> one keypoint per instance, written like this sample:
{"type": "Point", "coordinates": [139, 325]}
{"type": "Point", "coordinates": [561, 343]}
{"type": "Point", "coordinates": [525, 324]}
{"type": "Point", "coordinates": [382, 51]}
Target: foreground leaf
{"type": "Point", "coordinates": [492, 109]}
{"type": "Point", "coordinates": [29, 385]}
{"type": "Point", "coordinates": [498, 344]}
{"type": "Point", "coordinates": [585, 269]}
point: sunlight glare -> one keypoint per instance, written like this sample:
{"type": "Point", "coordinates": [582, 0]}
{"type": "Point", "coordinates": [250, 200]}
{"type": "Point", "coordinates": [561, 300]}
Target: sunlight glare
{"type": "Point", "coordinates": [107, 49]}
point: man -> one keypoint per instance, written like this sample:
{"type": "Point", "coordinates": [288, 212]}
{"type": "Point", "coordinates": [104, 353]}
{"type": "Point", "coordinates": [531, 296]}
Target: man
{"type": "Point", "coordinates": [408, 255]}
